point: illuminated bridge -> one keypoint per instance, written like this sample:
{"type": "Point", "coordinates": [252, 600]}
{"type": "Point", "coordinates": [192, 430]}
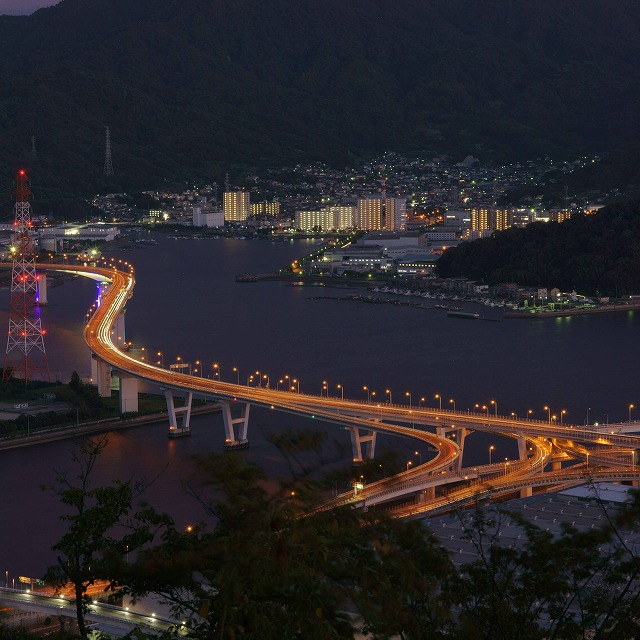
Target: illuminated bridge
{"type": "Point", "coordinates": [110, 619]}
{"type": "Point", "coordinates": [597, 453]}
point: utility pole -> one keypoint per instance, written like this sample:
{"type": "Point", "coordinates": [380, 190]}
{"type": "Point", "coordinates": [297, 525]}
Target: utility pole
{"type": "Point", "coordinates": [25, 328]}
{"type": "Point", "coordinates": [108, 167]}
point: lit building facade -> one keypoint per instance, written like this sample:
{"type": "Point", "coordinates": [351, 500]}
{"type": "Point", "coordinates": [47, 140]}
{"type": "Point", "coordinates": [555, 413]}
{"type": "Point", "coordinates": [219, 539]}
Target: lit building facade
{"type": "Point", "coordinates": [334, 217]}
{"type": "Point", "coordinates": [236, 206]}
{"type": "Point", "coordinates": [376, 212]}
{"type": "Point", "coordinates": [265, 209]}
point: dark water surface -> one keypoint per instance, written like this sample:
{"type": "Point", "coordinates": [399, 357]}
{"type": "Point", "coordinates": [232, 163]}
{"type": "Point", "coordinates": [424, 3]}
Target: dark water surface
{"type": "Point", "coordinates": [187, 304]}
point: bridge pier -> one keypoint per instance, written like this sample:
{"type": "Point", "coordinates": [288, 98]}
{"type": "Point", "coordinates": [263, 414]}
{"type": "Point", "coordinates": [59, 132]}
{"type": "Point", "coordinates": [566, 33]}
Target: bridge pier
{"type": "Point", "coordinates": [360, 438]}
{"type": "Point", "coordinates": [426, 495]}
{"type": "Point", "coordinates": [526, 492]}
{"type": "Point", "coordinates": [128, 393]}
{"type": "Point", "coordinates": [231, 442]}
{"type": "Point", "coordinates": [42, 300]}
{"type": "Point", "coordinates": [179, 417]}
{"type": "Point", "coordinates": [522, 448]}
{"type": "Point", "coordinates": [118, 331]}
{"type": "Point", "coordinates": [101, 375]}
{"type": "Point", "coordinates": [67, 624]}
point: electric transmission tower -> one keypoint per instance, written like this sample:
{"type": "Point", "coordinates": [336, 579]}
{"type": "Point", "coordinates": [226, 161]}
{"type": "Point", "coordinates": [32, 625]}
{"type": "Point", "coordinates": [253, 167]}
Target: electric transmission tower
{"type": "Point", "coordinates": [25, 356]}
{"type": "Point", "coordinates": [108, 167]}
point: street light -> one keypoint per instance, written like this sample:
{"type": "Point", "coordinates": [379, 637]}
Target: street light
{"type": "Point", "coordinates": [453, 402]}
{"type": "Point", "coordinates": [493, 402]}
{"type": "Point", "coordinates": [417, 453]}
{"type": "Point", "coordinates": [406, 393]}
{"type": "Point", "coordinates": [388, 392]}
{"type": "Point", "coordinates": [630, 407]}
{"type": "Point", "coordinates": [588, 409]}
{"type": "Point", "coordinates": [216, 370]}
{"type": "Point", "coordinates": [514, 415]}
{"type": "Point", "coordinates": [506, 464]}
{"type": "Point", "coordinates": [421, 401]}
{"type": "Point", "coordinates": [237, 372]}
{"type": "Point", "coordinates": [365, 388]}
{"type": "Point", "coordinates": [548, 410]}
{"type": "Point", "coordinates": [265, 375]}
{"type": "Point", "coordinates": [296, 384]}
{"type": "Point", "coordinates": [161, 356]}
{"type": "Point", "coordinates": [485, 408]}
{"type": "Point", "coordinates": [491, 449]}
{"type": "Point", "coordinates": [339, 386]}
{"type": "Point", "coordinates": [198, 368]}
{"type": "Point", "coordinates": [324, 387]}
{"type": "Point", "coordinates": [562, 414]}
{"type": "Point", "coordinates": [529, 413]}
{"type": "Point", "coordinates": [438, 397]}
{"type": "Point", "coordinates": [259, 374]}
{"type": "Point", "coordinates": [409, 463]}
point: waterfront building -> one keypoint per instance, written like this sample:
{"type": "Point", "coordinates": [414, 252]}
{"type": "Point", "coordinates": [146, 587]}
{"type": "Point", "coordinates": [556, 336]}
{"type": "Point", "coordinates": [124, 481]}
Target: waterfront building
{"type": "Point", "coordinates": [338, 217]}
{"type": "Point", "coordinates": [236, 206]}
{"type": "Point", "coordinates": [424, 267]}
{"type": "Point", "coordinates": [352, 258]}
{"type": "Point", "coordinates": [207, 216]}
{"type": "Point", "coordinates": [394, 240]}
{"type": "Point", "coordinates": [375, 212]}
{"type": "Point", "coordinates": [265, 209]}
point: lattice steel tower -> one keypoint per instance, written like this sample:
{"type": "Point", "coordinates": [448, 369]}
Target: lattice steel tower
{"type": "Point", "coordinates": [25, 356]}
{"type": "Point", "coordinates": [108, 167]}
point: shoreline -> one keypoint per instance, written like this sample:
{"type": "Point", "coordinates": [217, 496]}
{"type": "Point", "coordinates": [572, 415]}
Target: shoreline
{"type": "Point", "coordinates": [537, 315]}
{"type": "Point", "coordinates": [99, 426]}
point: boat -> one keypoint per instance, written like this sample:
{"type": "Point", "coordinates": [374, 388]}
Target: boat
{"type": "Point", "coordinates": [246, 277]}
{"type": "Point", "coordinates": [468, 315]}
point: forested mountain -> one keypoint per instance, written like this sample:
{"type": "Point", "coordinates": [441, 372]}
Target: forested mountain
{"type": "Point", "coordinates": [598, 254]}
{"type": "Point", "coordinates": [191, 88]}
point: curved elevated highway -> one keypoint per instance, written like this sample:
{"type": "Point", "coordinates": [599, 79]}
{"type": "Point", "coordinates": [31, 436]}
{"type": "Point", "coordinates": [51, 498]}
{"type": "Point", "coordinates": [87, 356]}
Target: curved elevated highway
{"type": "Point", "coordinates": [540, 443]}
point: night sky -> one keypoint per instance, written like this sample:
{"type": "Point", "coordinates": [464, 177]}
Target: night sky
{"type": "Point", "coordinates": [23, 7]}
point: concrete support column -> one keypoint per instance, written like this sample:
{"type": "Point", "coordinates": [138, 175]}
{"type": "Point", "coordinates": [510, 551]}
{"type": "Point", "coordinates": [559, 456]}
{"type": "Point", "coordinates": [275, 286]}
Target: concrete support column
{"type": "Point", "coordinates": [42, 289]}
{"type": "Point", "coordinates": [526, 492]}
{"type": "Point", "coordinates": [128, 393]}
{"type": "Point", "coordinates": [428, 494]}
{"type": "Point", "coordinates": [231, 441]}
{"type": "Point", "coordinates": [522, 448]}
{"type": "Point", "coordinates": [118, 334]}
{"type": "Point", "coordinates": [461, 435]}
{"type": "Point", "coordinates": [101, 375]}
{"type": "Point", "coordinates": [556, 465]}
{"type": "Point", "coordinates": [359, 438]}
{"type": "Point", "coordinates": [179, 417]}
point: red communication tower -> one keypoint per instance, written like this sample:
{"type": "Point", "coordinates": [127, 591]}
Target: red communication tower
{"type": "Point", "coordinates": [25, 356]}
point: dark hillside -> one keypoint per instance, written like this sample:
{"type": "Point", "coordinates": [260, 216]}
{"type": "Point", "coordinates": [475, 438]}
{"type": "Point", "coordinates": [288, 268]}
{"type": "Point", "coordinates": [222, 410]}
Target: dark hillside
{"type": "Point", "coordinates": [193, 87]}
{"type": "Point", "coordinates": [598, 254]}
